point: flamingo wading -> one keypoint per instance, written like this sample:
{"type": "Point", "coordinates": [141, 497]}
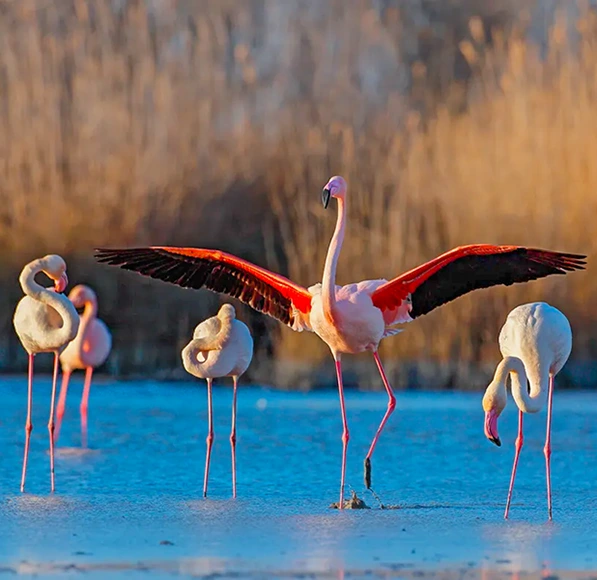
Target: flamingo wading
{"type": "Point", "coordinates": [352, 318]}
{"type": "Point", "coordinates": [89, 350]}
{"type": "Point", "coordinates": [45, 321]}
{"type": "Point", "coordinates": [222, 346]}
{"type": "Point", "coordinates": [535, 342]}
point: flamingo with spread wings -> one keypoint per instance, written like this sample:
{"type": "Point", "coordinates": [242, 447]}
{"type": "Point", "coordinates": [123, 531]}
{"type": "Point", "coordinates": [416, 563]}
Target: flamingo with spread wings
{"type": "Point", "coordinates": [352, 318]}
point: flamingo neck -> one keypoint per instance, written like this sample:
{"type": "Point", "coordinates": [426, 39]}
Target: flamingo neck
{"type": "Point", "coordinates": [59, 302]}
{"type": "Point", "coordinates": [190, 356]}
{"type": "Point", "coordinates": [527, 402]}
{"type": "Point", "coordinates": [328, 286]}
{"type": "Point", "coordinates": [89, 313]}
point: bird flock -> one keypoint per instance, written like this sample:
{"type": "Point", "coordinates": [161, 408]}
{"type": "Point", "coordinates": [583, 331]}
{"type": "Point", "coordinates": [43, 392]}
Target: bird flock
{"type": "Point", "coordinates": [535, 340]}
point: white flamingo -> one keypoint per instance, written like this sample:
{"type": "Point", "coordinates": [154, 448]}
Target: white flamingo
{"type": "Point", "coordinates": [221, 347]}
{"type": "Point", "coordinates": [45, 321]}
{"type": "Point", "coordinates": [89, 350]}
{"type": "Point", "coordinates": [352, 318]}
{"type": "Point", "coordinates": [535, 342]}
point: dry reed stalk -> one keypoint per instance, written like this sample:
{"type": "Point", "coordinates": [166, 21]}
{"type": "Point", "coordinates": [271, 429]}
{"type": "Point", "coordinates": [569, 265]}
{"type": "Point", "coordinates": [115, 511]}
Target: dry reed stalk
{"type": "Point", "coordinates": [218, 125]}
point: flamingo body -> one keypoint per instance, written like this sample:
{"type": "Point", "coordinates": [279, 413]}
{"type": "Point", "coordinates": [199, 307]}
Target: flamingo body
{"type": "Point", "coordinates": [45, 321]}
{"type": "Point", "coordinates": [35, 324]}
{"type": "Point", "coordinates": [222, 346]}
{"type": "Point", "coordinates": [357, 325]}
{"type": "Point", "coordinates": [540, 336]}
{"type": "Point", "coordinates": [352, 318]}
{"type": "Point", "coordinates": [88, 350]}
{"type": "Point", "coordinates": [535, 343]}
{"type": "Point", "coordinates": [231, 359]}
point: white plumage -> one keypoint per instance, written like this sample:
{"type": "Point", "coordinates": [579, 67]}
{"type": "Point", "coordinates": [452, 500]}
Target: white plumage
{"type": "Point", "coordinates": [221, 347]}
{"type": "Point", "coordinates": [535, 342]}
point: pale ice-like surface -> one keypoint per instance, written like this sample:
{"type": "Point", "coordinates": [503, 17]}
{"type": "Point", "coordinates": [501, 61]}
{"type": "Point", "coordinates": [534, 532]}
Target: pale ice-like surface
{"type": "Point", "coordinates": [131, 506]}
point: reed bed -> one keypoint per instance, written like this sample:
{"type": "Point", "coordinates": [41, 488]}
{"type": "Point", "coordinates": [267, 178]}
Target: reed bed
{"type": "Point", "coordinates": [217, 123]}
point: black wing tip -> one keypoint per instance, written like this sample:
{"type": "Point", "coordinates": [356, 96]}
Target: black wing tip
{"type": "Point", "coordinates": [119, 255]}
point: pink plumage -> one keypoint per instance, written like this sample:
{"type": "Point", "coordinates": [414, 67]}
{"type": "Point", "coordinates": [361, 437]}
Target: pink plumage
{"type": "Point", "coordinates": [88, 350]}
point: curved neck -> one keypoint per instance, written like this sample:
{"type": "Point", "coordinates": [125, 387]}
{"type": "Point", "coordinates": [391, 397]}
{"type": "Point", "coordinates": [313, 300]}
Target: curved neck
{"type": "Point", "coordinates": [328, 286]}
{"type": "Point", "coordinates": [190, 355]}
{"type": "Point", "coordinates": [215, 341]}
{"type": "Point", "coordinates": [89, 312]}
{"type": "Point", "coordinates": [527, 402]}
{"type": "Point", "coordinates": [59, 302]}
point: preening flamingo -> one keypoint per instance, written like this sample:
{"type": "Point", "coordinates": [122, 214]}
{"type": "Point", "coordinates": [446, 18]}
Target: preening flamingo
{"type": "Point", "coordinates": [535, 342]}
{"type": "Point", "coordinates": [89, 350]}
{"type": "Point", "coordinates": [352, 318]}
{"type": "Point", "coordinates": [45, 321]}
{"type": "Point", "coordinates": [222, 346]}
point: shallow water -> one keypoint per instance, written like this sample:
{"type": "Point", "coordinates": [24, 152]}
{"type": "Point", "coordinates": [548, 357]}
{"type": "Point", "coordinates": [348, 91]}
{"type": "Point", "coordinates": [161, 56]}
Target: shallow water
{"type": "Point", "coordinates": [132, 504]}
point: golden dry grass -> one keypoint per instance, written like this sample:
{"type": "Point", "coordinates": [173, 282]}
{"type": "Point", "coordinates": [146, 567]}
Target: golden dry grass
{"type": "Point", "coordinates": [215, 127]}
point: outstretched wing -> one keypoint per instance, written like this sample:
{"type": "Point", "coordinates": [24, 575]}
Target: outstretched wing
{"type": "Point", "coordinates": [220, 272]}
{"type": "Point", "coordinates": [468, 268]}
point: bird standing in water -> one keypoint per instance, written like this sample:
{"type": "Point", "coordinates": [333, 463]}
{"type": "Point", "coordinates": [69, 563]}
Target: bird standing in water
{"type": "Point", "coordinates": [222, 346]}
{"type": "Point", "coordinates": [89, 350]}
{"type": "Point", "coordinates": [45, 321]}
{"type": "Point", "coordinates": [353, 318]}
{"type": "Point", "coordinates": [535, 342]}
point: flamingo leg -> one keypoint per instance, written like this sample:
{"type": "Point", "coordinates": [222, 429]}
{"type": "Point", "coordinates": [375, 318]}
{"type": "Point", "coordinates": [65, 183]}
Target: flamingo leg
{"type": "Point", "coordinates": [233, 437]}
{"type": "Point", "coordinates": [85, 404]}
{"type": "Point", "coordinates": [345, 432]}
{"type": "Point", "coordinates": [518, 447]}
{"type": "Point", "coordinates": [547, 448]}
{"type": "Point", "coordinates": [28, 424]}
{"type": "Point", "coordinates": [389, 411]}
{"type": "Point", "coordinates": [61, 402]}
{"type": "Point", "coordinates": [51, 420]}
{"type": "Point", "coordinates": [210, 436]}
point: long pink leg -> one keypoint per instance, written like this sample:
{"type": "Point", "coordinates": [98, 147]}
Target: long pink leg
{"type": "Point", "coordinates": [518, 447]}
{"type": "Point", "coordinates": [345, 432]}
{"type": "Point", "coordinates": [61, 403]}
{"type": "Point", "coordinates": [51, 421]}
{"type": "Point", "coordinates": [210, 436]}
{"type": "Point", "coordinates": [85, 405]}
{"type": "Point", "coordinates": [389, 411]}
{"type": "Point", "coordinates": [28, 424]}
{"type": "Point", "coordinates": [233, 437]}
{"type": "Point", "coordinates": [547, 448]}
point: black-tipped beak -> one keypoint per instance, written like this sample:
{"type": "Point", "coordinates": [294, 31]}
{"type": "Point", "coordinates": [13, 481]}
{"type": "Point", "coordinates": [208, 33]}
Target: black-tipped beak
{"type": "Point", "coordinates": [495, 440]}
{"type": "Point", "coordinates": [325, 197]}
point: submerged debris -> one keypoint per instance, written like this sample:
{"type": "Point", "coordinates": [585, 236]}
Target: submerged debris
{"type": "Point", "coordinates": [354, 503]}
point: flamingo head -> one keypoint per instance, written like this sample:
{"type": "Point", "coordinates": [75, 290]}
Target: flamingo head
{"type": "Point", "coordinates": [55, 268]}
{"type": "Point", "coordinates": [227, 312]}
{"type": "Point", "coordinates": [81, 294]}
{"type": "Point", "coordinates": [335, 187]}
{"type": "Point", "coordinates": [494, 403]}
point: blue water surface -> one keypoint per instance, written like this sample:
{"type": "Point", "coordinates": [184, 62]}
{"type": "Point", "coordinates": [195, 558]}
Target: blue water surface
{"type": "Point", "coordinates": [131, 505]}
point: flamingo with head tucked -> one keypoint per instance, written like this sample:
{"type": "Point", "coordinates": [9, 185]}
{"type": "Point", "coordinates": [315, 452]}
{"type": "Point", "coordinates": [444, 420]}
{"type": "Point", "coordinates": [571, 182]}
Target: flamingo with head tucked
{"type": "Point", "coordinates": [535, 342]}
{"type": "Point", "coordinates": [89, 350]}
{"type": "Point", "coordinates": [353, 318]}
{"type": "Point", "coordinates": [45, 321]}
{"type": "Point", "coordinates": [222, 346]}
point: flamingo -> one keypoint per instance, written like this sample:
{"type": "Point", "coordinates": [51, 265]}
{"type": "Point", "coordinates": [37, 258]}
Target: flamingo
{"type": "Point", "coordinates": [87, 351]}
{"type": "Point", "coordinates": [535, 342]}
{"type": "Point", "coordinates": [352, 318]}
{"type": "Point", "coordinates": [222, 346]}
{"type": "Point", "coordinates": [45, 321]}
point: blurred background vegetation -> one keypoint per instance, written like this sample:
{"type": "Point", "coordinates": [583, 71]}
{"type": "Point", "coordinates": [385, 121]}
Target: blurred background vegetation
{"type": "Point", "coordinates": [215, 123]}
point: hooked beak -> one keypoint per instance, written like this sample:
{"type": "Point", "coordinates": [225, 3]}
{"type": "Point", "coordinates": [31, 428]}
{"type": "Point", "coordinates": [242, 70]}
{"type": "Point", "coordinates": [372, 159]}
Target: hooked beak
{"type": "Point", "coordinates": [325, 197]}
{"type": "Point", "coordinates": [61, 284]}
{"type": "Point", "coordinates": [491, 431]}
